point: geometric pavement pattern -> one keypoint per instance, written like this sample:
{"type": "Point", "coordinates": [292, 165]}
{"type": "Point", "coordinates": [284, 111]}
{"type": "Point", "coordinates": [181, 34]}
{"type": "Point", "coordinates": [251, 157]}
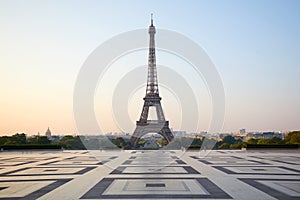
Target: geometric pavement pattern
{"type": "Point", "coordinates": [222, 174]}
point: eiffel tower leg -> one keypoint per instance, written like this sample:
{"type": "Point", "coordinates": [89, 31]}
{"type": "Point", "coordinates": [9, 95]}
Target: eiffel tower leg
{"type": "Point", "coordinates": [159, 112]}
{"type": "Point", "coordinates": [167, 134]}
{"type": "Point", "coordinates": [145, 112]}
{"type": "Point", "coordinates": [137, 134]}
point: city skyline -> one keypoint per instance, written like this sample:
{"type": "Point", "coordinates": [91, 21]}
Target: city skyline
{"type": "Point", "coordinates": [254, 49]}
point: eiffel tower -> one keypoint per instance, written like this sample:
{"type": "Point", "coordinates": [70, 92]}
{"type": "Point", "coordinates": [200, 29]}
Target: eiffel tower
{"type": "Point", "coordinates": [152, 99]}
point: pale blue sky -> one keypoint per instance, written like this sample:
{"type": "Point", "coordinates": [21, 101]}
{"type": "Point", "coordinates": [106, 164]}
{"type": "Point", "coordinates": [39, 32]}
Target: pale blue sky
{"type": "Point", "coordinates": [255, 46]}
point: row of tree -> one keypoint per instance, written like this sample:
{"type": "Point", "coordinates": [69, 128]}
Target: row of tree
{"type": "Point", "coordinates": [21, 139]}
{"type": "Point", "coordinates": [102, 142]}
{"type": "Point", "coordinates": [230, 142]}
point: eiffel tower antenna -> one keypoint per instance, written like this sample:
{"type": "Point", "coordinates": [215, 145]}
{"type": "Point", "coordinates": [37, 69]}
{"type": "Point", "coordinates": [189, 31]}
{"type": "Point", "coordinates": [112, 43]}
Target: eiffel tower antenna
{"type": "Point", "coordinates": [151, 19]}
{"type": "Point", "coordinates": [152, 99]}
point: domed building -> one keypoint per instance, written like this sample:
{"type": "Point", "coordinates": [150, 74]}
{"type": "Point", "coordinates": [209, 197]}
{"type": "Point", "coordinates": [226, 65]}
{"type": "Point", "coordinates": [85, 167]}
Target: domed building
{"type": "Point", "coordinates": [48, 133]}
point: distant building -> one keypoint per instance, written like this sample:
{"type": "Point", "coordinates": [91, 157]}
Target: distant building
{"type": "Point", "coordinates": [179, 134]}
{"type": "Point", "coordinates": [241, 136]}
{"type": "Point", "coordinates": [48, 133]}
{"type": "Point", "coordinates": [265, 135]}
{"type": "Point", "coordinates": [203, 133]}
{"type": "Point", "coordinates": [242, 131]}
{"type": "Point", "coordinates": [268, 135]}
{"type": "Point", "coordinates": [55, 138]}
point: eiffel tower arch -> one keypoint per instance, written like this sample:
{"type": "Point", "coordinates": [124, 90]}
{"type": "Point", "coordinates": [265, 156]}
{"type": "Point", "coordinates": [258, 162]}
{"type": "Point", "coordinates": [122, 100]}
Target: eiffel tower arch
{"type": "Point", "coordinates": [152, 99]}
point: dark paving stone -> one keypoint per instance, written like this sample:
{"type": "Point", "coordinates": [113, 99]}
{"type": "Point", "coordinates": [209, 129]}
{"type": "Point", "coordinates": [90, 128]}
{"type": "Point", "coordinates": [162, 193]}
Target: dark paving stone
{"type": "Point", "coordinates": [228, 171]}
{"type": "Point", "coordinates": [188, 169]}
{"type": "Point", "coordinates": [2, 188]}
{"type": "Point", "coordinates": [287, 162]}
{"type": "Point", "coordinates": [214, 191]}
{"type": "Point", "coordinates": [83, 171]}
{"type": "Point", "coordinates": [270, 191]}
{"type": "Point", "coordinates": [155, 185]}
{"type": "Point", "coordinates": [40, 192]}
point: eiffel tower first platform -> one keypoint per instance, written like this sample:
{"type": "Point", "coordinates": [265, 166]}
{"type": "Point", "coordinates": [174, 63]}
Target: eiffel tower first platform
{"type": "Point", "coordinates": [152, 99]}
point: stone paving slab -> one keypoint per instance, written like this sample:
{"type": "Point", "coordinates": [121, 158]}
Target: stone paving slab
{"type": "Point", "coordinates": [150, 175]}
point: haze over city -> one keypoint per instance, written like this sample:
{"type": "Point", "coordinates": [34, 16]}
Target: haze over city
{"type": "Point", "coordinates": [254, 45]}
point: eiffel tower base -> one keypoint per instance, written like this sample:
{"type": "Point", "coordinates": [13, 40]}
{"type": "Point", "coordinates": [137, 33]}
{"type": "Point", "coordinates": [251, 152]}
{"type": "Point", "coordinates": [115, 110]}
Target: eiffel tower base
{"type": "Point", "coordinates": [143, 128]}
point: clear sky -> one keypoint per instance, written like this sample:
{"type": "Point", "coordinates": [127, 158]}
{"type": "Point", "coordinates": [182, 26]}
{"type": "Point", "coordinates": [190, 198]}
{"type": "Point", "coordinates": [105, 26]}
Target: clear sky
{"type": "Point", "coordinates": [255, 46]}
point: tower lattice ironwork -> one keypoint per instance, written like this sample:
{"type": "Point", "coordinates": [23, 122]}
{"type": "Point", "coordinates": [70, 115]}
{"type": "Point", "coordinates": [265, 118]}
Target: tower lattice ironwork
{"type": "Point", "coordinates": [152, 99]}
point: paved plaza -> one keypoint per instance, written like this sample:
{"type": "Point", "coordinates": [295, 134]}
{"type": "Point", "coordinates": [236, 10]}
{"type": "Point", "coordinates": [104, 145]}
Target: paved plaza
{"type": "Point", "coordinates": [150, 175]}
